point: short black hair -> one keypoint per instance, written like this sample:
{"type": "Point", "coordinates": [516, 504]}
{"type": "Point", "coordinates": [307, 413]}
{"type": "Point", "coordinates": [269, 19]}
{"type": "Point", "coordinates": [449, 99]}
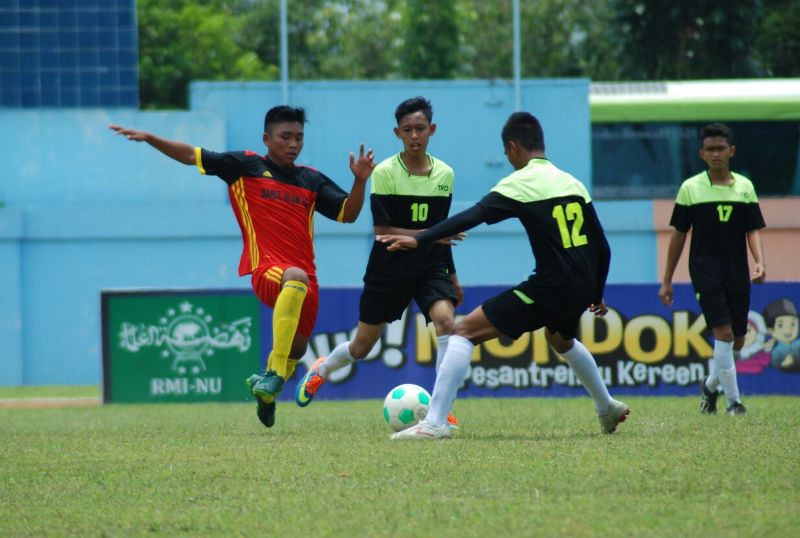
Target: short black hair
{"type": "Point", "coordinates": [283, 114]}
{"type": "Point", "coordinates": [415, 104]}
{"type": "Point", "coordinates": [777, 308]}
{"type": "Point", "coordinates": [524, 129]}
{"type": "Point", "coordinates": [716, 129]}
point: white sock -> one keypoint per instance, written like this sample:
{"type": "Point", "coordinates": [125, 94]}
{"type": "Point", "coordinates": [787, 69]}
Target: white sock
{"type": "Point", "coordinates": [582, 362]}
{"type": "Point", "coordinates": [712, 382]}
{"type": "Point", "coordinates": [339, 357]}
{"type": "Point", "coordinates": [440, 351]}
{"type": "Point", "coordinates": [727, 379]}
{"type": "Point", "coordinates": [452, 372]}
{"type": "Point", "coordinates": [726, 368]}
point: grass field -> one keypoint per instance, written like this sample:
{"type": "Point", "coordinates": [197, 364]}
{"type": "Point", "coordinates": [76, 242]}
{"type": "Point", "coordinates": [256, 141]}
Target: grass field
{"type": "Point", "coordinates": [519, 467]}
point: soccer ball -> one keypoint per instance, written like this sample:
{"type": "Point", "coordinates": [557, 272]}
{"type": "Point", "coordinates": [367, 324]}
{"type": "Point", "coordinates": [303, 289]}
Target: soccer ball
{"type": "Point", "coordinates": [405, 405]}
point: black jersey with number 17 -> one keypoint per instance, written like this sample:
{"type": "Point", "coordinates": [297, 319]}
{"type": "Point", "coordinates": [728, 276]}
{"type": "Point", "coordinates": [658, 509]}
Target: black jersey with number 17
{"type": "Point", "coordinates": [567, 240]}
{"type": "Point", "coordinates": [720, 216]}
{"type": "Point", "coordinates": [404, 200]}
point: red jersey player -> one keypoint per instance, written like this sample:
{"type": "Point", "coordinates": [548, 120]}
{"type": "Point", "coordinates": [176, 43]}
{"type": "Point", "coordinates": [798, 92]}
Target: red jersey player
{"type": "Point", "coordinates": [274, 201]}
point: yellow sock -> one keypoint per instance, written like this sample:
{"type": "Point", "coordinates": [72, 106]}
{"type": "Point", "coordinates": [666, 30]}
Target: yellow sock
{"type": "Point", "coordinates": [291, 364]}
{"type": "Point", "coordinates": [285, 318]}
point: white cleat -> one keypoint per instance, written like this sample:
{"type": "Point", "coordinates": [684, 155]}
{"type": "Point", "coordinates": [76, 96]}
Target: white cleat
{"type": "Point", "coordinates": [617, 412]}
{"type": "Point", "coordinates": [423, 430]}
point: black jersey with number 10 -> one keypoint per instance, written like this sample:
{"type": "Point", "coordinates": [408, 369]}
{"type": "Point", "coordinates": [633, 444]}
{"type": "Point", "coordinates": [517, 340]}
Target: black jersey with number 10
{"type": "Point", "coordinates": [403, 200]}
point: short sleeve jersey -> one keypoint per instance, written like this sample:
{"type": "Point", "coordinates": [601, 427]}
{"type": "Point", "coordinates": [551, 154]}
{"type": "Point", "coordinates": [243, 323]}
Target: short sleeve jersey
{"type": "Point", "coordinates": [564, 232]}
{"type": "Point", "coordinates": [274, 206]}
{"type": "Point", "coordinates": [720, 217]}
{"type": "Point", "coordinates": [403, 200]}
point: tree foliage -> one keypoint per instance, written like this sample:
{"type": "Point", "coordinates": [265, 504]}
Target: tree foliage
{"type": "Point", "coordinates": [180, 41]}
{"type": "Point", "coordinates": [430, 49]}
{"type": "Point", "coordinates": [778, 41]}
{"type": "Point", "coordinates": [184, 40]}
{"type": "Point", "coordinates": [664, 39]}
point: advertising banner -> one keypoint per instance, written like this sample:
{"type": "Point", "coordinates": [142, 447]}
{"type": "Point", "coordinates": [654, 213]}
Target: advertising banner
{"type": "Point", "coordinates": [641, 347]}
{"type": "Point", "coordinates": [176, 346]}
{"type": "Point", "coordinates": [200, 346]}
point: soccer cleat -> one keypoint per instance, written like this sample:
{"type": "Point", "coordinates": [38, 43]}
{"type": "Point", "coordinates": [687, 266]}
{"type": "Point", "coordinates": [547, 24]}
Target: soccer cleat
{"type": "Point", "coordinates": [736, 408]}
{"type": "Point", "coordinates": [264, 411]}
{"type": "Point", "coordinates": [270, 385]}
{"type": "Point", "coordinates": [423, 430]}
{"type": "Point", "coordinates": [452, 420]}
{"type": "Point", "coordinates": [708, 399]}
{"type": "Point", "coordinates": [617, 412]}
{"type": "Point", "coordinates": [310, 384]}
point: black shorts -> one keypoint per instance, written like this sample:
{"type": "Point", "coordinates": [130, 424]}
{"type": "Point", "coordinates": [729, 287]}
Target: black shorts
{"type": "Point", "coordinates": [721, 307]}
{"type": "Point", "coordinates": [516, 311]}
{"type": "Point", "coordinates": [381, 305]}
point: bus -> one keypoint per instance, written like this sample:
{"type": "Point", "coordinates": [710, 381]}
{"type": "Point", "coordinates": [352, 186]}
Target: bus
{"type": "Point", "coordinates": [645, 134]}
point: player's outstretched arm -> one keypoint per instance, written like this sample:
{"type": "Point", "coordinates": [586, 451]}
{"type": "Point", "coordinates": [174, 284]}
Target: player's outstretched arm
{"type": "Point", "coordinates": [676, 243]}
{"type": "Point", "coordinates": [397, 242]}
{"type": "Point", "coordinates": [362, 168]}
{"type": "Point", "coordinates": [452, 241]}
{"type": "Point", "coordinates": [757, 250]}
{"type": "Point", "coordinates": [180, 151]}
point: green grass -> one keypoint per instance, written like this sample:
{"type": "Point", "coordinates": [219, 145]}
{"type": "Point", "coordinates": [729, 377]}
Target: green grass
{"type": "Point", "coordinates": [520, 467]}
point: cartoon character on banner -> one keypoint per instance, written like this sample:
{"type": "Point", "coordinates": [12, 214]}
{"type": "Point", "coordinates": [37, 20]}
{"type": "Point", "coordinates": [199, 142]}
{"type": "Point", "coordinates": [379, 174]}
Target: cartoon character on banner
{"type": "Point", "coordinates": [783, 326]}
{"type": "Point", "coordinates": [753, 356]}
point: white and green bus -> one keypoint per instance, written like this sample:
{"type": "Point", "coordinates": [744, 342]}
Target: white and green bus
{"type": "Point", "coordinates": [645, 134]}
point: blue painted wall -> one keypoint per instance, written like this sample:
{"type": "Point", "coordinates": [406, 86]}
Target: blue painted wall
{"type": "Point", "coordinates": [83, 210]}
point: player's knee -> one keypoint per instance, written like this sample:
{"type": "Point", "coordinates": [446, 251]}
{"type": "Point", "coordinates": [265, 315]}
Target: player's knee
{"type": "Point", "coordinates": [723, 334]}
{"type": "Point", "coordinates": [443, 325]}
{"type": "Point", "coordinates": [296, 274]}
{"type": "Point", "coordinates": [558, 342]}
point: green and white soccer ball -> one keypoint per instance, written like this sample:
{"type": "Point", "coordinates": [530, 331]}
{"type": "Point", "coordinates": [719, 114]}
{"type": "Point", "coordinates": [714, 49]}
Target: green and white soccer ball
{"type": "Point", "coordinates": [405, 405]}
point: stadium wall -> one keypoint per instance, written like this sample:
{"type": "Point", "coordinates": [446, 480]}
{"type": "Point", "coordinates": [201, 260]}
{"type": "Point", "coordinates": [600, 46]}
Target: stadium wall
{"type": "Point", "coordinates": [82, 210]}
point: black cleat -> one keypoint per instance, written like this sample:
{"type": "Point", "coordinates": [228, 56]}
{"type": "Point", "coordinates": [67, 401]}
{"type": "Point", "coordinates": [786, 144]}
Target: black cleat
{"type": "Point", "coordinates": [736, 408]}
{"type": "Point", "coordinates": [264, 411]}
{"type": "Point", "coordinates": [708, 401]}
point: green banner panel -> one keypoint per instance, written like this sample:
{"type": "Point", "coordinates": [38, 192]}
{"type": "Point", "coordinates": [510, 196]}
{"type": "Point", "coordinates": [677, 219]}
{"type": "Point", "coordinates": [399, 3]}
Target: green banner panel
{"type": "Point", "coordinates": [179, 346]}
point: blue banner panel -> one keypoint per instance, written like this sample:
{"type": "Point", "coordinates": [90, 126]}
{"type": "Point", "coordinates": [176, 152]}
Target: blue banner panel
{"type": "Point", "coordinates": [641, 347]}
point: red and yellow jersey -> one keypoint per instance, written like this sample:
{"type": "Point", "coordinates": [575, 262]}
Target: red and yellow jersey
{"type": "Point", "coordinates": [274, 206]}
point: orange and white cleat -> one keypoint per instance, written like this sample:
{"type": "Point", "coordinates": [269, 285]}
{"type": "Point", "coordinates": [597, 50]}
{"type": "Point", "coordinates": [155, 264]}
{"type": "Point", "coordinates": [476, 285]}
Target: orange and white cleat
{"type": "Point", "coordinates": [310, 384]}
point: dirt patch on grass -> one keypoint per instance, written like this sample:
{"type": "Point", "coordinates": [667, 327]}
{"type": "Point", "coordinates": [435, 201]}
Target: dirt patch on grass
{"type": "Point", "coordinates": [48, 403]}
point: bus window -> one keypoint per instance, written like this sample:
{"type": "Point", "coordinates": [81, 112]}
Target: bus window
{"type": "Point", "coordinates": [650, 160]}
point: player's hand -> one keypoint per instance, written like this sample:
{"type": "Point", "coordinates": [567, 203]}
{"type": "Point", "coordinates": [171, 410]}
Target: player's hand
{"type": "Point", "coordinates": [759, 274]}
{"type": "Point", "coordinates": [600, 309]}
{"type": "Point", "coordinates": [363, 166]}
{"type": "Point", "coordinates": [451, 241]}
{"type": "Point", "coordinates": [458, 289]}
{"type": "Point", "coordinates": [397, 242]}
{"type": "Point", "coordinates": [130, 134]}
{"type": "Point", "coordinates": [666, 294]}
